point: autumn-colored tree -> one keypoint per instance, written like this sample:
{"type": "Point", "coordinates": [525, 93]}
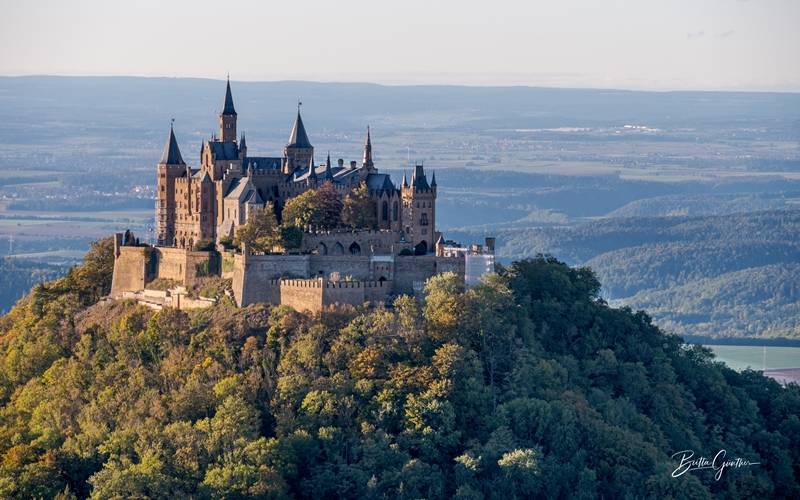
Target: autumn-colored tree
{"type": "Point", "coordinates": [358, 211]}
{"type": "Point", "coordinates": [331, 206]}
{"type": "Point", "coordinates": [261, 231]}
{"type": "Point", "coordinates": [303, 211]}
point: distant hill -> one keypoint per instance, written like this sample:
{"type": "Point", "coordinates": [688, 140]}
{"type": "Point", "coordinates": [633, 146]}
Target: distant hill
{"type": "Point", "coordinates": [701, 275]}
{"type": "Point", "coordinates": [132, 107]}
{"type": "Point", "coordinates": [17, 276]}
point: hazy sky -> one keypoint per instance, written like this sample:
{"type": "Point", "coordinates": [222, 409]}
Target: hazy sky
{"type": "Point", "coordinates": [641, 44]}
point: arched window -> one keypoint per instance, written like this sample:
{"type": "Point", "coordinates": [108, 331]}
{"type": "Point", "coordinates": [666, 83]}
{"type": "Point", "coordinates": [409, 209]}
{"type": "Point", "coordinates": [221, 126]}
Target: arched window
{"type": "Point", "coordinates": [395, 211]}
{"type": "Point", "coordinates": [355, 249]}
{"type": "Point", "coordinates": [338, 249]}
{"type": "Point", "coordinates": [385, 211]}
{"type": "Point", "coordinates": [322, 249]}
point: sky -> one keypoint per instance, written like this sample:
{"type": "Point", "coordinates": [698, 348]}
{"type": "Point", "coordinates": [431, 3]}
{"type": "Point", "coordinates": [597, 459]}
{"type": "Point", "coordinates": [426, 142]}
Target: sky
{"type": "Point", "coordinates": [624, 44]}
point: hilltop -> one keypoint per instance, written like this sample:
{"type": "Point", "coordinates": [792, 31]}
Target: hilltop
{"type": "Point", "coordinates": [527, 385]}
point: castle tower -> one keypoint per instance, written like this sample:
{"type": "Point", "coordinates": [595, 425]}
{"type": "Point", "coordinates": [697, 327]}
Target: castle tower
{"type": "Point", "coordinates": [419, 209]}
{"type": "Point", "coordinates": [299, 147]}
{"type": "Point", "coordinates": [242, 147]}
{"type": "Point", "coordinates": [170, 167]}
{"type": "Point", "coordinates": [227, 119]}
{"type": "Point", "coordinates": [367, 162]}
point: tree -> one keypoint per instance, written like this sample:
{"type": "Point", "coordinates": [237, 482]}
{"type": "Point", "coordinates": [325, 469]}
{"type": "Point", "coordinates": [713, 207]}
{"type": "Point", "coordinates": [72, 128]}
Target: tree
{"type": "Point", "coordinates": [291, 237]}
{"type": "Point", "coordinates": [358, 210]}
{"type": "Point", "coordinates": [303, 210]}
{"type": "Point", "coordinates": [261, 231]}
{"type": "Point", "coordinates": [331, 206]}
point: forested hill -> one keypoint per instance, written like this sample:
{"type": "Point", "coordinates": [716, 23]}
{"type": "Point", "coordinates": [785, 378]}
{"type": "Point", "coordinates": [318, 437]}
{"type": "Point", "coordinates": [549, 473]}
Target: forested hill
{"type": "Point", "coordinates": [726, 275]}
{"type": "Point", "coordinates": [17, 276]}
{"type": "Point", "coordinates": [527, 386]}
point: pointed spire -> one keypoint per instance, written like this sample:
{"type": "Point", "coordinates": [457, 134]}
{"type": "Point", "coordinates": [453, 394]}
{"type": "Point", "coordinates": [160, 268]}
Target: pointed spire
{"type": "Point", "coordinates": [328, 171]}
{"type": "Point", "coordinates": [227, 106]}
{"type": "Point", "coordinates": [312, 170]}
{"type": "Point", "coordinates": [367, 151]}
{"type": "Point", "coordinates": [405, 180]}
{"type": "Point", "coordinates": [242, 143]}
{"type": "Point", "coordinates": [171, 154]}
{"type": "Point", "coordinates": [433, 179]}
{"type": "Point", "coordinates": [299, 138]}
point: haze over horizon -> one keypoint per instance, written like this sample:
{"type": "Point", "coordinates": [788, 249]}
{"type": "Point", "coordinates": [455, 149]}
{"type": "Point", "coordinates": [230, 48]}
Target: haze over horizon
{"type": "Point", "coordinates": [620, 44]}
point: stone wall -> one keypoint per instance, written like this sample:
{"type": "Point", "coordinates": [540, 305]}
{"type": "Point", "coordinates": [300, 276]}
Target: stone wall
{"type": "Point", "coordinates": [378, 241]}
{"type": "Point", "coordinates": [181, 264]}
{"type": "Point", "coordinates": [303, 295]}
{"type": "Point", "coordinates": [131, 269]}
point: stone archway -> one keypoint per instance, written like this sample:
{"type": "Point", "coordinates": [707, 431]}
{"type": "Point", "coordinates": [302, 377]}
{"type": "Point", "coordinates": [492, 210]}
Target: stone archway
{"type": "Point", "coordinates": [338, 249]}
{"type": "Point", "coordinates": [355, 249]}
{"type": "Point", "coordinates": [382, 278]}
{"type": "Point", "coordinates": [322, 249]}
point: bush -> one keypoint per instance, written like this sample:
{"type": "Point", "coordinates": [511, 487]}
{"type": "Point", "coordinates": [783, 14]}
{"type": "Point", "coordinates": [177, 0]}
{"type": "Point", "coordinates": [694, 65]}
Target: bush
{"type": "Point", "coordinates": [406, 251]}
{"type": "Point", "coordinates": [204, 245]}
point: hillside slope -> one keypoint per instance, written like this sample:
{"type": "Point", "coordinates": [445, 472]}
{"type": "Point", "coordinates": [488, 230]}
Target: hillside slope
{"type": "Point", "coordinates": [527, 386]}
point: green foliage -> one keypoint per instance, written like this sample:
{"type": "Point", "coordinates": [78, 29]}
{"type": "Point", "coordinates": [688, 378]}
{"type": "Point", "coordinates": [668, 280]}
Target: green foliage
{"type": "Point", "coordinates": [330, 205]}
{"type": "Point", "coordinates": [359, 210]}
{"type": "Point", "coordinates": [261, 231]}
{"type": "Point", "coordinates": [204, 245]}
{"type": "Point", "coordinates": [162, 284]}
{"type": "Point", "coordinates": [524, 386]}
{"type": "Point", "coordinates": [303, 210]}
{"type": "Point", "coordinates": [291, 237]}
{"type": "Point", "coordinates": [420, 249]}
{"type": "Point", "coordinates": [406, 251]}
{"type": "Point", "coordinates": [208, 267]}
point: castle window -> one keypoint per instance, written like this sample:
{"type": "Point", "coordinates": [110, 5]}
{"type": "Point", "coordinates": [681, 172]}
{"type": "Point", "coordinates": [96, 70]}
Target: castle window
{"type": "Point", "coordinates": [417, 204]}
{"type": "Point", "coordinates": [423, 221]}
{"type": "Point", "coordinates": [385, 211]}
{"type": "Point", "coordinates": [395, 211]}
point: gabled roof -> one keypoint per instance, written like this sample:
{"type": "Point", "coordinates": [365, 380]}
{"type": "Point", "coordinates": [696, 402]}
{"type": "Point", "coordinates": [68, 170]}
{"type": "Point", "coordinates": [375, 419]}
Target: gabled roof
{"type": "Point", "coordinates": [261, 162]}
{"type": "Point", "coordinates": [224, 150]}
{"type": "Point", "coordinates": [299, 138]}
{"type": "Point", "coordinates": [171, 154]}
{"type": "Point", "coordinates": [253, 198]}
{"type": "Point", "coordinates": [227, 106]}
{"type": "Point", "coordinates": [380, 181]}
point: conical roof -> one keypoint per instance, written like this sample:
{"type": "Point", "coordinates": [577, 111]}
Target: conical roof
{"type": "Point", "coordinates": [227, 106]}
{"type": "Point", "coordinates": [433, 179]}
{"type": "Point", "coordinates": [299, 138]}
{"type": "Point", "coordinates": [171, 154]}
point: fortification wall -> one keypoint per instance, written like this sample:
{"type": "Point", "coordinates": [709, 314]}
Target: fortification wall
{"type": "Point", "coordinates": [131, 269]}
{"type": "Point", "coordinates": [377, 241]}
{"type": "Point", "coordinates": [356, 266]}
{"type": "Point", "coordinates": [343, 292]}
{"type": "Point", "coordinates": [181, 265]}
{"type": "Point", "coordinates": [410, 270]}
{"type": "Point", "coordinates": [252, 275]}
{"type": "Point", "coordinates": [303, 295]}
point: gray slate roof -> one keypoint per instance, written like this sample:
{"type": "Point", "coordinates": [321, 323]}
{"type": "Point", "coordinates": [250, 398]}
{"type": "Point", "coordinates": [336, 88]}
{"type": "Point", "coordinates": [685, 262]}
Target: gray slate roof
{"type": "Point", "coordinates": [171, 154]}
{"type": "Point", "coordinates": [299, 138]}
{"type": "Point", "coordinates": [224, 150]}
{"type": "Point", "coordinates": [261, 162]}
{"type": "Point", "coordinates": [227, 106]}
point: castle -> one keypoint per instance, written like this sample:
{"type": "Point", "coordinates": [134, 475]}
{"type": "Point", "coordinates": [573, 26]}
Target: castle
{"type": "Point", "coordinates": [211, 202]}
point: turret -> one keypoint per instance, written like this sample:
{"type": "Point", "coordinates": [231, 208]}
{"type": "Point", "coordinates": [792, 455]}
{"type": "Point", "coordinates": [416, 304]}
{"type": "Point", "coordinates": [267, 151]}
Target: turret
{"type": "Point", "coordinates": [170, 166]}
{"type": "Point", "coordinates": [367, 162]}
{"type": "Point", "coordinates": [242, 147]}
{"type": "Point", "coordinates": [227, 119]}
{"type": "Point", "coordinates": [299, 147]}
